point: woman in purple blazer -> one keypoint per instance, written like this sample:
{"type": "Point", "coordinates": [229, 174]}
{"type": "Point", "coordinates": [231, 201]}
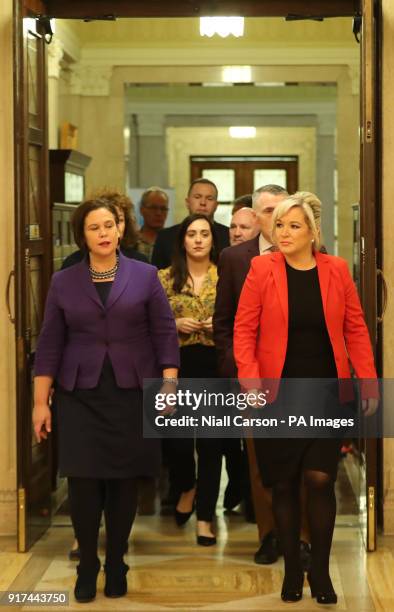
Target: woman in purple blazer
{"type": "Point", "coordinates": [107, 326]}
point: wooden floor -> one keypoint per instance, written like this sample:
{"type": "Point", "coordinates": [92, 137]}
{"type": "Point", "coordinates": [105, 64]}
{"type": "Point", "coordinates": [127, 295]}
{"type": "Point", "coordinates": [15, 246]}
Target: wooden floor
{"type": "Point", "coordinates": [170, 572]}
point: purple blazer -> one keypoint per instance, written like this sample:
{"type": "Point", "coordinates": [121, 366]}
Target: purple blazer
{"type": "Point", "coordinates": [136, 328]}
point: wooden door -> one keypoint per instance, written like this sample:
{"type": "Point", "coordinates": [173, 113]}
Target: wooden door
{"type": "Point", "coordinates": [33, 260]}
{"type": "Point", "coordinates": [247, 173]}
{"type": "Point", "coordinates": [370, 245]}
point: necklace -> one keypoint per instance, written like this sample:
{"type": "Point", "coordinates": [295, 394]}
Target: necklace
{"type": "Point", "coordinates": [107, 274]}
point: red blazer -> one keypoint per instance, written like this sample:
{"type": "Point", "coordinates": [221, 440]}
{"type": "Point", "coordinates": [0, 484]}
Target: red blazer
{"type": "Point", "coordinates": [262, 320]}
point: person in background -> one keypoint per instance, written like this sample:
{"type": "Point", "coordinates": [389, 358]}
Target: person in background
{"type": "Point", "coordinates": [107, 326]}
{"type": "Point", "coordinates": [244, 226]}
{"type": "Point", "coordinates": [244, 201]}
{"type": "Point", "coordinates": [202, 198]}
{"type": "Point", "coordinates": [299, 316]}
{"type": "Point", "coordinates": [127, 226]}
{"type": "Point", "coordinates": [190, 285]}
{"type": "Point", "coordinates": [154, 208]}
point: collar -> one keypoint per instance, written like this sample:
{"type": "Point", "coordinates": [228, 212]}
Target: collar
{"type": "Point", "coordinates": [264, 245]}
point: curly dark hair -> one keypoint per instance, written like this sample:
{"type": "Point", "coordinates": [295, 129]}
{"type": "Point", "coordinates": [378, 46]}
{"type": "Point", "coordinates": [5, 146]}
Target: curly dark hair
{"type": "Point", "coordinates": [179, 271]}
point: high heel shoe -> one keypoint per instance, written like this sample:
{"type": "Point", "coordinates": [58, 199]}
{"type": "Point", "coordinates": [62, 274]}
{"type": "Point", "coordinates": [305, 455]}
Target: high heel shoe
{"type": "Point", "coordinates": [292, 589]}
{"type": "Point", "coordinates": [206, 540]}
{"type": "Point", "coordinates": [325, 595]}
{"type": "Point", "coordinates": [85, 586]}
{"type": "Point", "coordinates": [115, 580]}
{"type": "Point", "coordinates": [182, 517]}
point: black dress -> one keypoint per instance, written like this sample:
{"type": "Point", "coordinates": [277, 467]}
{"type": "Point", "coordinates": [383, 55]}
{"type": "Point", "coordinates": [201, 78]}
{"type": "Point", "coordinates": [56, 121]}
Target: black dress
{"type": "Point", "coordinates": [100, 429]}
{"type": "Point", "coordinates": [309, 355]}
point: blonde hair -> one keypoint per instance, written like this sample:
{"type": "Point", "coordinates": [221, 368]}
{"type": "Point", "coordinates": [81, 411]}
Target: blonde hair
{"type": "Point", "coordinates": [311, 207]}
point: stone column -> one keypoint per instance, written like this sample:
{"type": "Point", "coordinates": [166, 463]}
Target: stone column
{"type": "Point", "coordinates": [8, 506]}
{"type": "Point", "coordinates": [348, 146]}
{"type": "Point", "coordinates": [151, 151]}
{"type": "Point", "coordinates": [100, 125]}
{"type": "Point", "coordinates": [55, 54]}
{"type": "Point", "coordinates": [325, 167]}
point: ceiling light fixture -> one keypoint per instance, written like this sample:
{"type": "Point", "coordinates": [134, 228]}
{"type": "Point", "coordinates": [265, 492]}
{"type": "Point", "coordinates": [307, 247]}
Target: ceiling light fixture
{"type": "Point", "coordinates": [224, 26]}
{"type": "Point", "coordinates": [237, 74]}
{"type": "Point", "coordinates": [242, 131]}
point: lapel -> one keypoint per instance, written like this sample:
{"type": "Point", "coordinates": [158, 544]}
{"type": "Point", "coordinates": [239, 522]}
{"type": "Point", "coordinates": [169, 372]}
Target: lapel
{"type": "Point", "coordinates": [120, 282]}
{"type": "Point", "coordinates": [85, 282]}
{"type": "Point", "coordinates": [324, 271]}
{"type": "Point", "coordinates": [87, 286]}
{"type": "Point", "coordinates": [253, 246]}
{"type": "Point", "coordinates": [280, 278]}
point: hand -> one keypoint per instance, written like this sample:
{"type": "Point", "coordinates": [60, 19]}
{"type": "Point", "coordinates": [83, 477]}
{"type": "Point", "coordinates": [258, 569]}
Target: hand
{"type": "Point", "coordinates": [187, 325]}
{"type": "Point", "coordinates": [207, 324]}
{"type": "Point", "coordinates": [252, 398]}
{"type": "Point", "coordinates": [166, 389]}
{"type": "Point", "coordinates": [42, 420]}
{"type": "Point", "coordinates": [369, 406]}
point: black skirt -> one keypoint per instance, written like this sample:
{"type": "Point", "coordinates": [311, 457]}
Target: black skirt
{"type": "Point", "coordinates": [100, 432]}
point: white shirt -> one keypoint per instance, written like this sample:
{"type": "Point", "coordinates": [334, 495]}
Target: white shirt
{"type": "Point", "coordinates": [264, 245]}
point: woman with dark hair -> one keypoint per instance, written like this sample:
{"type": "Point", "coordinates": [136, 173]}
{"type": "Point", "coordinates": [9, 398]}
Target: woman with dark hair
{"type": "Point", "coordinates": [107, 326]}
{"type": "Point", "coordinates": [190, 284]}
{"type": "Point", "coordinates": [127, 226]}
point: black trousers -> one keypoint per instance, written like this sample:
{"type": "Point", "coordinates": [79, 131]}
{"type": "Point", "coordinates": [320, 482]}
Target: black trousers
{"type": "Point", "coordinates": [209, 465]}
{"type": "Point", "coordinates": [197, 361]}
{"type": "Point", "coordinates": [89, 498]}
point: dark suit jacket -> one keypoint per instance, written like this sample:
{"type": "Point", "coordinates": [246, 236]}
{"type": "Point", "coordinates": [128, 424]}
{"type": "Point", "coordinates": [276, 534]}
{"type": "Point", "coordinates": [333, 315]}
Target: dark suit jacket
{"type": "Point", "coordinates": [78, 256]}
{"type": "Point", "coordinates": [233, 268]}
{"type": "Point", "coordinates": [164, 245]}
{"type": "Point", "coordinates": [136, 328]}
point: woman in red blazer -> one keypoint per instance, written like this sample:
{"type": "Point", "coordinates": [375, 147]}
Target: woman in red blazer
{"type": "Point", "coordinates": [299, 316]}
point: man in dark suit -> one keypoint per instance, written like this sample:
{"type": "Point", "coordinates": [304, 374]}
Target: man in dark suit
{"type": "Point", "coordinates": [202, 198]}
{"type": "Point", "coordinates": [234, 264]}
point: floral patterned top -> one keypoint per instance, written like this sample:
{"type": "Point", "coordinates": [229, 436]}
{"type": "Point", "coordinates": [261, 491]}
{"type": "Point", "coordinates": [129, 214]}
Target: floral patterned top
{"type": "Point", "coordinates": [188, 304]}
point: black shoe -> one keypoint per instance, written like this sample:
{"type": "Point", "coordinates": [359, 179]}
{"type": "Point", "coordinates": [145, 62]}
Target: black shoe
{"type": "Point", "coordinates": [74, 554]}
{"type": "Point", "coordinates": [232, 497]}
{"type": "Point", "coordinates": [182, 517]}
{"type": "Point", "coordinates": [85, 586]}
{"type": "Point", "coordinates": [115, 580]}
{"type": "Point", "coordinates": [269, 550]}
{"type": "Point", "coordinates": [206, 540]}
{"type": "Point", "coordinates": [292, 588]}
{"type": "Point", "coordinates": [305, 555]}
{"type": "Point", "coordinates": [323, 590]}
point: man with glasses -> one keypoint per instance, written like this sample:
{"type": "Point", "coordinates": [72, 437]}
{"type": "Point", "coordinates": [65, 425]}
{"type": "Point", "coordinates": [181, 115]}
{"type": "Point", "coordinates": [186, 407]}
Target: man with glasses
{"type": "Point", "coordinates": [154, 210]}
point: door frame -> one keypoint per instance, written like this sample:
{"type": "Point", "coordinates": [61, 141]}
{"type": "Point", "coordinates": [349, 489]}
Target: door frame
{"type": "Point", "coordinates": [107, 9]}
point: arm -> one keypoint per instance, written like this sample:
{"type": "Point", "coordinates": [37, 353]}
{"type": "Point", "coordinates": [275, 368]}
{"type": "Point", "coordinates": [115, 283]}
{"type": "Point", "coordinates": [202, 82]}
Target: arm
{"type": "Point", "coordinates": [358, 344]}
{"type": "Point", "coordinates": [47, 358]}
{"type": "Point", "coordinates": [224, 316]}
{"type": "Point", "coordinates": [246, 328]}
{"type": "Point", "coordinates": [162, 326]}
{"type": "Point", "coordinates": [357, 340]}
{"type": "Point", "coordinates": [42, 417]}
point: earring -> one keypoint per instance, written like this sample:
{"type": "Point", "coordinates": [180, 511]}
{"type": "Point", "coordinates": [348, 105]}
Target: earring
{"type": "Point", "coordinates": [313, 240]}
